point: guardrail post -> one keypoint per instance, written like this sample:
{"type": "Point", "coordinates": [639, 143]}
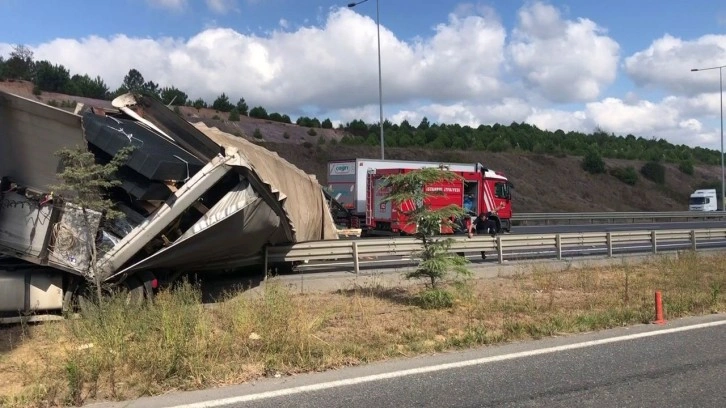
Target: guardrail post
{"type": "Point", "coordinates": [558, 246]}
{"type": "Point", "coordinates": [693, 240]}
{"type": "Point", "coordinates": [609, 243]}
{"type": "Point", "coordinates": [356, 264]}
{"type": "Point", "coordinates": [265, 262]}
{"type": "Point", "coordinates": [654, 241]}
{"type": "Point", "coordinates": [500, 250]}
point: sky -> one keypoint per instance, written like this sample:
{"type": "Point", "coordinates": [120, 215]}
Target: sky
{"type": "Point", "coordinates": [620, 66]}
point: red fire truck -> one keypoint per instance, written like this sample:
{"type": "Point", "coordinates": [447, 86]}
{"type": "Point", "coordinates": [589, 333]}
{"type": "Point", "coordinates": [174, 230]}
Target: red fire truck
{"type": "Point", "coordinates": [359, 186]}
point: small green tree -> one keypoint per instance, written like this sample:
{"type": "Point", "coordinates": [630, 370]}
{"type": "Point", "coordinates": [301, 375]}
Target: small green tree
{"type": "Point", "coordinates": [593, 163]}
{"type": "Point", "coordinates": [257, 134]}
{"type": "Point", "coordinates": [436, 260]}
{"type": "Point", "coordinates": [653, 171]}
{"type": "Point", "coordinates": [133, 81]}
{"type": "Point", "coordinates": [627, 175]}
{"type": "Point", "coordinates": [258, 112]}
{"type": "Point", "coordinates": [242, 106]}
{"type": "Point", "coordinates": [173, 96]}
{"type": "Point", "coordinates": [222, 103]}
{"type": "Point", "coordinates": [84, 184]}
{"type": "Point", "coordinates": [234, 115]}
{"type": "Point", "coordinates": [686, 167]}
{"type": "Point", "coordinates": [199, 104]}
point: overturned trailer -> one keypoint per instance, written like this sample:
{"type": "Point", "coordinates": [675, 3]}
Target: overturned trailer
{"type": "Point", "coordinates": [194, 199]}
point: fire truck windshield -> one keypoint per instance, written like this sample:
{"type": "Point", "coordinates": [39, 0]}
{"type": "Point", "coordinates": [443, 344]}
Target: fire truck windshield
{"type": "Point", "coordinates": [501, 190]}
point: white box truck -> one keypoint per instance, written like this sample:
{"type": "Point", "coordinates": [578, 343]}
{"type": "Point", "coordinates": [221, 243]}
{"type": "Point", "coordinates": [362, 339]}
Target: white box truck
{"type": "Point", "coordinates": [703, 200]}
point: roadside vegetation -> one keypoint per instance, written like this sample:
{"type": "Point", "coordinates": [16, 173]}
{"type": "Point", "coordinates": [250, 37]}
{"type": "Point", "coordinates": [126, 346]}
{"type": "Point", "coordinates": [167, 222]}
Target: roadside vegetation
{"type": "Point", "coordinates": [406, 191]}
{"type": "Point", "coordinates": [117, 351]}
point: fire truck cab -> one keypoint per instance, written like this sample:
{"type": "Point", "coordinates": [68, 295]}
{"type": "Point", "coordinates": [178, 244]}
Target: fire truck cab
{"type": "Point", "coordinates": [360, 186]}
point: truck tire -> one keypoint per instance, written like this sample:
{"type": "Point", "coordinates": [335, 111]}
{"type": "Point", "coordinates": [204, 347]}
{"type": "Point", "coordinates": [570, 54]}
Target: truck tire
{"type": "Point", "coordinates": [139, 288]}
{"type": "Point", "coordinates": [135, 291]}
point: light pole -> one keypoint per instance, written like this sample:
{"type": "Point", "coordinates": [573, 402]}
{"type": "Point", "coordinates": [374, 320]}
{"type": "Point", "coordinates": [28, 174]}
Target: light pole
{"type": "Point", "coordinates": [380, 80]}
{"type": "Point", "coordinates": [720, 88]}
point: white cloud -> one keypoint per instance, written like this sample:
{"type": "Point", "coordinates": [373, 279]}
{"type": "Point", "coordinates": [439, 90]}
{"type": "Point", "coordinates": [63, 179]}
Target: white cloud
{"type": "Point", "coordinates": [221, 6]}
{"type": "Point", "coordinates": [667, 119]}
{"type": "Point", "coordinates": [667, 64]}
{"type": "Point", "coordinates": [553, 120]}
{"type": "Point", "coordinates": [5, 49]}
{"type": "Point", "coordinates": [614, 115]}
{"type": "Point", "coordinates": [565, 60]}
{"type": "Point", "coordinates": [216, 6]}
{"type": "Point", "coordinates": [331, 66]}
{"type": "Point", "coordinates": [169, 4]}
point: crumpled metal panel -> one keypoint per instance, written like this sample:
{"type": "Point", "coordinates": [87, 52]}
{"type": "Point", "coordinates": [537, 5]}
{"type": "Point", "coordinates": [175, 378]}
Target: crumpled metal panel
{"type": "Point", "coordinates": [234, 229]}
{"type": "Point", "coordinates": [153, 157]}
{"type": "Point", "coordinates": [31, 134]}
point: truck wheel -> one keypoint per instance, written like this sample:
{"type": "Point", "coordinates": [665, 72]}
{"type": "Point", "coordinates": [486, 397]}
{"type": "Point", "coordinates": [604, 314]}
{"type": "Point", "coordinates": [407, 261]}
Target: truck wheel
{"type": "Point", "coordinates": [139, 288]}
{"type": "Point", "coordinates": [135, 291]}
{"type": "Point", "coordinates": [77, 297]}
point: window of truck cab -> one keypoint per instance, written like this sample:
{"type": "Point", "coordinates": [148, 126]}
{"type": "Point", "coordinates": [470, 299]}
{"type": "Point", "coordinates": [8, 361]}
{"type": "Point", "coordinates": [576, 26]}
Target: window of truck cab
{"type": "Point", "coordinates": [501, 190]}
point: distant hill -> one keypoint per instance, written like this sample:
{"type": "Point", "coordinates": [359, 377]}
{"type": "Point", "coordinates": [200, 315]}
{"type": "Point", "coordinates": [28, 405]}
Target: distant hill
{"type": "Point", "coordinates": [543, 183]}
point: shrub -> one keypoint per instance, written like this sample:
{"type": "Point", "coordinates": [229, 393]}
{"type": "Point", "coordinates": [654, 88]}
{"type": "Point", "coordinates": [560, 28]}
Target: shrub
{"type": "Point", "coordinates": [686, 167]}
{"type": "Point", "coordinates": [434, 299]}
{"type": "Point", "coordinates": [307, 145]}
{"type": "Point", "coordinates": [257, 134]}
{"type": "Point", "coordinates": [216, 117]}
{"type": "Point", "coordinates": [312, 132]}
{"type": "Point", "coordinates": [286, 135]}
{"type": "Point", "coordinates": [627, 175]}
{"type": "Point", "coordinates": [36, 90]}
{"type": "Point", "coordinates": [593, 163]}
{"type": "Point", "coordinates": [234, 115]}
{"type": "Point", "coordinates": [653, 171]}
{"type": "Point", "coordinates": [177, 110]}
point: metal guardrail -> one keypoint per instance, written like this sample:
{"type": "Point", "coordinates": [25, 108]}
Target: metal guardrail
{"type": "Point", "coordinates": [354, 250]}
{"type": "Point", "coordinates": [634, 216]}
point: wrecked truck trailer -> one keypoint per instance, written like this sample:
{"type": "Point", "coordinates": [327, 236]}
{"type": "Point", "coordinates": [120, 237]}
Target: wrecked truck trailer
{"type": "Point", "coordinates": [194, 199]}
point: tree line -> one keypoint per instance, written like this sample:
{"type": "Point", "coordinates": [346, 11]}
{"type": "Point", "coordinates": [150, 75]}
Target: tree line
{"type": "Point", "coordinates": [523, 137]}
{"type": "Point", "coordinates": [515, 137]}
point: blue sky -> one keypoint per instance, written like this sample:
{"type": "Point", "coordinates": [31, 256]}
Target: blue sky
{"type": "Point", "coordinates": [621, 66]}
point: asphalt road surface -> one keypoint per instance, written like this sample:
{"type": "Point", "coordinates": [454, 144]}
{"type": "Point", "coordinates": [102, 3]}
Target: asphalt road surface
{"type": "Point", "coordinates": [680, 364]}
{"type": "Point", "coordinates": [565, 228]}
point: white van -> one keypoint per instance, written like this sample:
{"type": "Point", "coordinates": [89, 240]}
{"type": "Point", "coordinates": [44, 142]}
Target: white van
{"type": "Point", "coordinates": [703, 200]}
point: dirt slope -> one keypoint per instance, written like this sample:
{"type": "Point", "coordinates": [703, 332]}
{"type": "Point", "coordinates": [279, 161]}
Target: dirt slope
{"type": "Point", "coordinates": [542, 183]}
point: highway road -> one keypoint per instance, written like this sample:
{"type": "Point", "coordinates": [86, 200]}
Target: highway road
{"type": "Point", "coordinates": [564, 228]}
{"type": "Point", "coordinates": [680, 364]}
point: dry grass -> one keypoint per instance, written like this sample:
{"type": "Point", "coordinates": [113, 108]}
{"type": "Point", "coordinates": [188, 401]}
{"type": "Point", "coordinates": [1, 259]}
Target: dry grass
{"type": "Point", "coordinates": [118, 353]}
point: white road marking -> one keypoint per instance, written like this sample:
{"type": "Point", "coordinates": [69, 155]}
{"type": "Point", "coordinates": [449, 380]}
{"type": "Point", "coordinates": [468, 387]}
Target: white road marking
{"type": "Point", "coordinates": [422, 370]}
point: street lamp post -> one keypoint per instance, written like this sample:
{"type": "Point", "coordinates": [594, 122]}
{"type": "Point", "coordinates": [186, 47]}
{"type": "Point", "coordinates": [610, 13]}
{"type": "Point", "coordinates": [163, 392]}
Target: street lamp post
{"type": "Point", "coordinates": [720, 88]}
{"type": "Point", "coordinates": [380, 80]}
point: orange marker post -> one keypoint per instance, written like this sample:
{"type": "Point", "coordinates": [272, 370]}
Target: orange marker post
{"type": "Point", "coordinates": [659, 309]}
